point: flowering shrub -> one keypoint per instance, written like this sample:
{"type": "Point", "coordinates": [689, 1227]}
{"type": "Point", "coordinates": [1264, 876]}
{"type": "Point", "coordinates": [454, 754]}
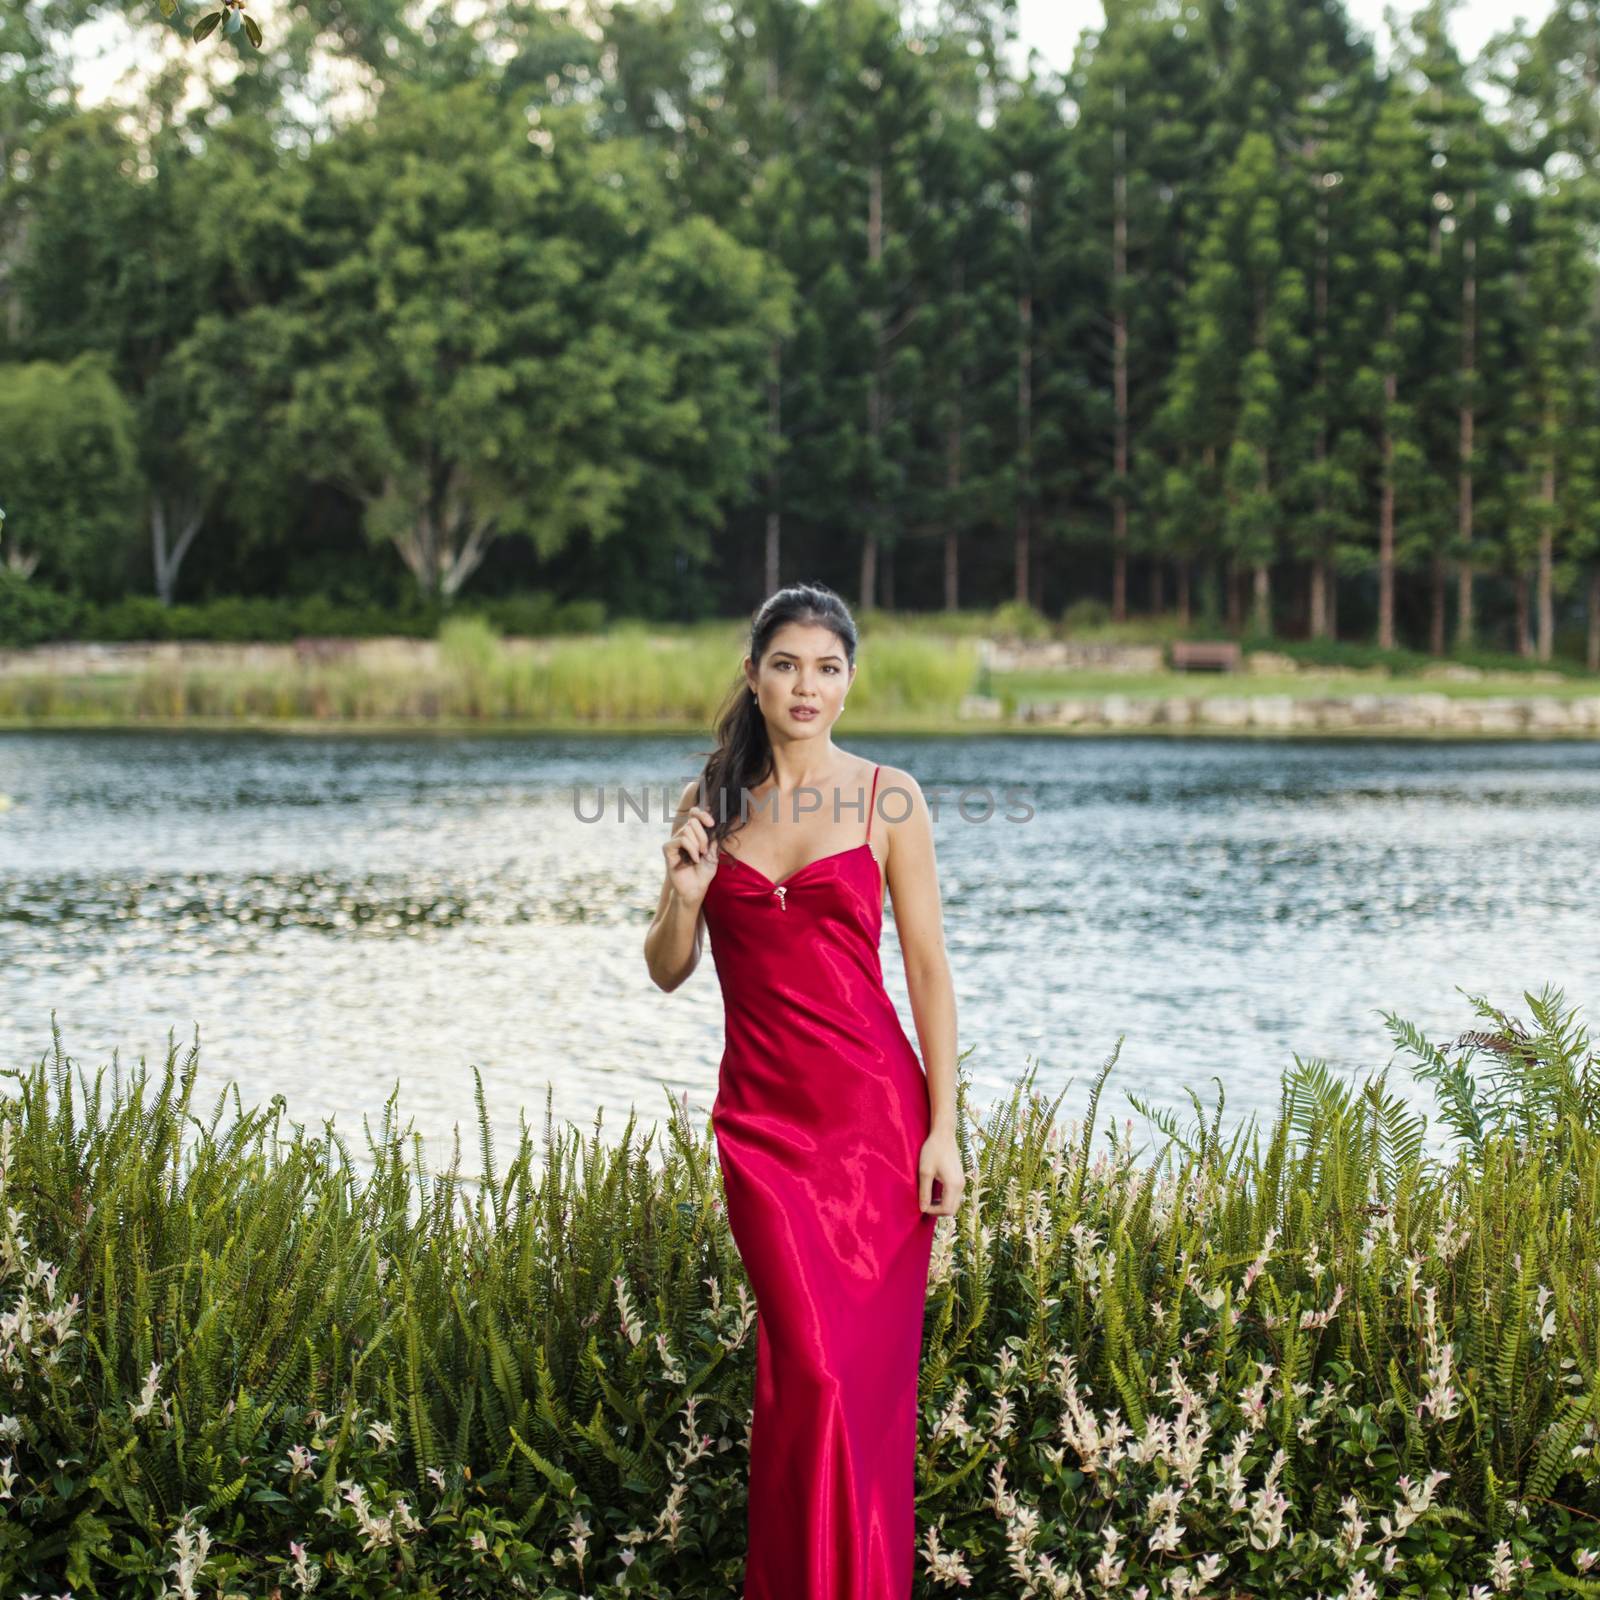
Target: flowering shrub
{"type": "Point", "coordinates": [1323, 1362]}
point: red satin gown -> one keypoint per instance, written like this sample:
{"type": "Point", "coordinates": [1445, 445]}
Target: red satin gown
{"type": "Point", "coordinates": [820, 1115]}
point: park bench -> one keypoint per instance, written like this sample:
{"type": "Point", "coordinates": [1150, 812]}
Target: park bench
{"type": "Point", "coordinates": [1205, 655]}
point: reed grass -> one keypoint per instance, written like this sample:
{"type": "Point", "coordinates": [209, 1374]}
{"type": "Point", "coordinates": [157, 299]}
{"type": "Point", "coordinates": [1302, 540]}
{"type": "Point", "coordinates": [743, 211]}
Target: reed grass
{"type": "Point", "coordinates": [912, 677]}
{"type": "Point", "coordinates": [1307, 1359]}
{"type": "Point", "coordinates": [628, 676]}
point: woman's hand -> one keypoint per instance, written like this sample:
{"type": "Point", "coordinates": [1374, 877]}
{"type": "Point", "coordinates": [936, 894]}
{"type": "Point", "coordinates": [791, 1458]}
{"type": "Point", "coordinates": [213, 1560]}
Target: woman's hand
{"type": "Point", "coordinates": [691, 856]}
{"type": "Point", "coordinates": [941, 1162]}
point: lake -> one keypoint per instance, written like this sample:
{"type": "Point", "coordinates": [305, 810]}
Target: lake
{"type": "Point", "coordinates": [338, 913]}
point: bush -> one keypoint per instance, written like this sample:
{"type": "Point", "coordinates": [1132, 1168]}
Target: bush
{"type": "Point", "coordinates": [238, 619]}
{"type": "Point", "coordinates": [540, 615]}
{"type": "Point", "coordinates": [1085, 614]}
{"type": "Point", "coordinates": [1318, 1361]}
{"type": "Point", "coordinates": [32, 613]}
{"type": "Point", "coordinates": [1400, 662]}
{"type": "Point", "coordinates": [1016, 620]}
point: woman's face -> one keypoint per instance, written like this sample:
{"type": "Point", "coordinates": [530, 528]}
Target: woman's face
{"type": "Point", "coordinates": [802, 680]}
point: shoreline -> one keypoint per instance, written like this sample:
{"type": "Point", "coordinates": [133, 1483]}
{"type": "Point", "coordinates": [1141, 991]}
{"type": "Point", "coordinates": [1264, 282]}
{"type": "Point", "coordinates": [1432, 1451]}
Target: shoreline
{"type": "Point", "coordinates": [611, 686]}
{"type": "Point", "coordinates": [1032, 728]}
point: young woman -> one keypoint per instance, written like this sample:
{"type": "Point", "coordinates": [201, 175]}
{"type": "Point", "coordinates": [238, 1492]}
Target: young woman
{"type": "Point", "coordinates": [836, 1152]}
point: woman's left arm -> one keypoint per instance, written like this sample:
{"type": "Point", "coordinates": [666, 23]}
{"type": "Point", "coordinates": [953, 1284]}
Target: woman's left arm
{"type": "Point", "coordinates": [913, 879]}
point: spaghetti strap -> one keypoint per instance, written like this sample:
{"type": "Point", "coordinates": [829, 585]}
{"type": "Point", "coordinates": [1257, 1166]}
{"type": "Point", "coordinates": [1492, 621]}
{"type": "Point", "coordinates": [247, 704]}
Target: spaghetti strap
{"type": "Point", "coordinates": [870, 804]}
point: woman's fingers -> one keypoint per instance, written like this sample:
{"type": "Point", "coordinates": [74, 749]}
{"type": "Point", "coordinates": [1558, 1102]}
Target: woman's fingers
{"type": "Point", "coordinates": [692, 839]}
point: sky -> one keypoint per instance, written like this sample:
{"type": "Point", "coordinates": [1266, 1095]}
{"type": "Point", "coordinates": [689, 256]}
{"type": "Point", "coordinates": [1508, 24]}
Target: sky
{"type": "Point", "coordinates": [106, 48]}
{"type": "Point", "coordinates": [1052, 26]}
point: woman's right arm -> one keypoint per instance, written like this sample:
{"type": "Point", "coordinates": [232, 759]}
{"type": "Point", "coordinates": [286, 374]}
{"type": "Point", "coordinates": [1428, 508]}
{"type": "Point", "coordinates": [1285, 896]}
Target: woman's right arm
{"type": "Point", "coordinates": [673, 943]}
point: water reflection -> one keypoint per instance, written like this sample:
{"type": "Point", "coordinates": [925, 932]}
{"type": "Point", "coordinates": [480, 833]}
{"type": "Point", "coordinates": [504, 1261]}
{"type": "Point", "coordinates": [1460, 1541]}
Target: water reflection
{"type": "Point", "coordinates": [336, 914]}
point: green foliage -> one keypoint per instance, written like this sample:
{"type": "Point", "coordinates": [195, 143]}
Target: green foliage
{"type": "Point", "coordinates": [657, 305]}
{"type": "Point", "coordinates": [1537, 1085]}
{"type": "Point", "coordinates": [240, 1351]}
{"type": "Point", "coordinates": [31, 613]}
{"type": "Point", "coordinates": [628, 675]}
{"type": "Point", "coordinates": [68, 467]}
{"type": "Point", "coordinates": [1014, 619]}
{"type": "Point", "coordinates": [1085, 616]}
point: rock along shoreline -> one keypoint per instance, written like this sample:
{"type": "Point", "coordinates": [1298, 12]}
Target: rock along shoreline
{"type": "Point", "coordinates": [1424, 713]}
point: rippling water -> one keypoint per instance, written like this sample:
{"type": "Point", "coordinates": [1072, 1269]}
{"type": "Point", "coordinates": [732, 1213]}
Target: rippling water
{"type": "Point", "coordinates": [340, 914]}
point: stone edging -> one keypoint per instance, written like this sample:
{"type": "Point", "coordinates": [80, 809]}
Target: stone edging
{"type": "Point", "coordinates": [1411, 713]}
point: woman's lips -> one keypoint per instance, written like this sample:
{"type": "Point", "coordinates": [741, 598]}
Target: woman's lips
{"type": "Point", "coordinates": [804, 713]}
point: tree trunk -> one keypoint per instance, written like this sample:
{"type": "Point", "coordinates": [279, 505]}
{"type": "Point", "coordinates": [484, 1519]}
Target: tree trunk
{"type": "Point", "coordinates": [1023, 532]}
{"type": "Point", "coordinates": [1158, 586]}
{"type": "Point", "coordinates": [1235, 615]}
{"type": "Point", "coordinates": [1262, 619]}
{"type": "Point", "coordinates": [16, 561]}
{"type": "Point", "coordinates": [167, 558]}
{"type": "Point", "coordinates": [464, 537]}
{"type": "Point", "coordinates": [467, 558]}
{"type": "Point", "coordinates": [869, 548]}
{"type": "Point", "coordinates": [1386, 504]}
{"type": "Point", "coordinates": [952, 536]}
{"type": "Point", "coordinates": [1547, 536]}
{"type": "Point", "coordinates": [772, 564]}
{"type": "Point", "coordinates": [417, 542]}
{"type": "Point", "coordinates": [1263, 598]}
{"type": "Point", "coordinates": [952, 474]}
{"type": "Point", "coordinates": [1185, 607]}
{"type": "Point", "coordinates": [1436, 576]}
{"type": "Point", "coordinates": [17, 251]}
{"type": "Point", "coordinates": [1519, 592]}
{"type": "Point", "coordinates": [1119, 364]}
{"type": "Point", "coordinates": [1465, 621]}
{"type": "Point", "coordinates": [1592, 657]}
{"type": "Point", "coordinates": [1321, 620]}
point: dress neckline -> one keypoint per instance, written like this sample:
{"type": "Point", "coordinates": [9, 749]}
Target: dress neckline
{"type": "Point", "coordinates": [776, 883]}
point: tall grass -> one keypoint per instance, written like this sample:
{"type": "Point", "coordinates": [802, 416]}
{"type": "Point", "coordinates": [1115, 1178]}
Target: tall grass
{"type": "Point", "coordinates": [628, 676]}
{"type": "Point", "coordinates": [913, 673]}
{"type": "Point", "coordinates": [1309, 1359]}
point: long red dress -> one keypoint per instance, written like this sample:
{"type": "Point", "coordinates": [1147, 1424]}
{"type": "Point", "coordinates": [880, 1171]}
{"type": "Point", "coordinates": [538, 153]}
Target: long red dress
{"type": "Point", "coordinates": [820, 1115]}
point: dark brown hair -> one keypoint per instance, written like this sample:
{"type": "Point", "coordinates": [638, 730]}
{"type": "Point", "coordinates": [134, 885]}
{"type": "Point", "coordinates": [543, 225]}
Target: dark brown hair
{"type": "Point", "coordinates": [742, 758]}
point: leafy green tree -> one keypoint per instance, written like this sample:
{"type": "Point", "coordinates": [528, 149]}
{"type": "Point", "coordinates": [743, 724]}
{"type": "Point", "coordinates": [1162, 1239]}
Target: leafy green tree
{"type": "Point", "coordinates": [69, 466]}
{"type": "Point", "coordinates": [127, 215]}
{"type": "Point", "coordinates": [1241, 358]}
{"type": "Point", "coordinates": [970, 332]}
{"type": "Point", "coordinates": [875, 109]}
{"type": "Point", "coordinates": [496, 330]}
{"type": "Point", "coordinates": [34, 95]}
{"type": "Point", "coordinates": [1142, 92]}
{"type": "Point", "coordinates": [1550, 77]}
{"type": "Point", "coordinates": [1394, 206]}
{"type": "Point", "coordinates": [1328, 530]}
{"type": "Point", "coordinates": [1266, 56]}
{"type": "Point", "coordinates": [1471, 174]}
{"type": "Point", "coordinates": [1026, 145]}
{"type": "Point", "coordinates": [734, 99]}
{"type": "Point", "coordinates": [1555, 500]}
